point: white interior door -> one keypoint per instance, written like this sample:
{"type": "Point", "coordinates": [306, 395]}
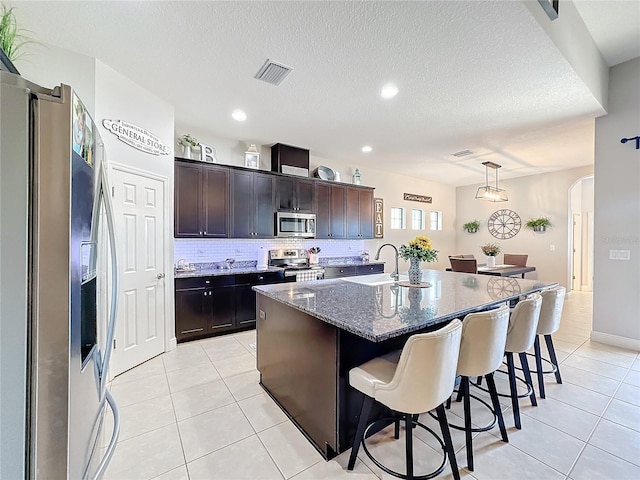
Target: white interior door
{"type": "Point", "coordinates": [138, 202]}
{"type": "Point", "coordinates": [576, 253]}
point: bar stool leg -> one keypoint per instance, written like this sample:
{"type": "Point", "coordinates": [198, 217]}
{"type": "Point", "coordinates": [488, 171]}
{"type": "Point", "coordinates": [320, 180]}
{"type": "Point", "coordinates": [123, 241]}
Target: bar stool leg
{"type": "Point", "coordinates": [362, 424]}
{"type": "Point", "coordinates": [496, 405]}
{"type": "Point", "coordinates": [408, 419]}
{"type": "Point", "coordinates": [527, 376]}
{"type": "Point", "coordinates": [514, 390]}
{"type": "Point", "coordinates": [448, 443]}
{"type": "Point", "coordinates": [552, 356]}
{"type": "Point", "coordinates": [396, 429]}
{"type": "Point", "coordinates": [538, 355]}
{"type": "Point", "coordinates": [464, 387]}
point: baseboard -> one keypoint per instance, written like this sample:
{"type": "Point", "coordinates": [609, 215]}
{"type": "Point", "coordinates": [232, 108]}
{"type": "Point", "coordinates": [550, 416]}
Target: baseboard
{"type": "Point", "coordinates": [173, 344]}
{"type": "Point", "coordinates": [616, 341]}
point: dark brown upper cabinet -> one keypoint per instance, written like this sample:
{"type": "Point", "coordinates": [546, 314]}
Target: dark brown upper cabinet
{"type": "Point", "coordinates": [252, 202]}
{"type": "Point", "coordinates": [359, 213]}
{"type": "Point", "coordinates": [201, 201]}
{"type": "Point", "coordinates": [295, 195]}
{"type": "Point", "coordinates": [330, 211]}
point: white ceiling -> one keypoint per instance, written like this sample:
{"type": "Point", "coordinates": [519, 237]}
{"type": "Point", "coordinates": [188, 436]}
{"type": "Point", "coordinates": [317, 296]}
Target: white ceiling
{"type": "Point", "coordinates": [477, 75]}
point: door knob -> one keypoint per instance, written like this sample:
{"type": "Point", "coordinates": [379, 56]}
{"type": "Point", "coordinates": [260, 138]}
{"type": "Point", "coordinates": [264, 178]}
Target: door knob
{"type": "Point", "coordinates": [160, 276]}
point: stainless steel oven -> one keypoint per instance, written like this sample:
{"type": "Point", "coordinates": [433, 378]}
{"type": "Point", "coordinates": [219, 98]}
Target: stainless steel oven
{"type": "Point", "coordinates": [302, 225]}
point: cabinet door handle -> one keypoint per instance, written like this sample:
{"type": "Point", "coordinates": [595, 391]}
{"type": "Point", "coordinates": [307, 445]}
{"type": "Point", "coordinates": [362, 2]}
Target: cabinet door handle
{"type": "Point", "coordinates": [200, 232]}
{"type": "Point", "coordinates": [205, 233]}
{"type": "Point", "coordinates": [260, 278]}
{"type": "Point", "coordinates": [207, 281]}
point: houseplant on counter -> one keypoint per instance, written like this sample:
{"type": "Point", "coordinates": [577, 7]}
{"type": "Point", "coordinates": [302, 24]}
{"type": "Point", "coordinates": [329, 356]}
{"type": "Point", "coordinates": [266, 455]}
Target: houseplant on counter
{"type": "Point", "coordinates": [418, 250]}
{"type": "Point", "coordinates": [490, 250]}
{"type": "Point", "coordinates": [187, 141]}
{"type": "Point", "coordinates": [539, 224]}
{"type": "Point", "coordinates": [472, 226]}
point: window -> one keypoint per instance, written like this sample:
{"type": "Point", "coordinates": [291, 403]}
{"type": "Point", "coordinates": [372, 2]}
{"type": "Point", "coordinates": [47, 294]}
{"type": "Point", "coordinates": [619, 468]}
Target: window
{"type": "Point", "coordinates": [417, 219]}
{"type": "Point", "coordinates": [398, 220]}
{"type": "Point", "coordinates": [435, 220]}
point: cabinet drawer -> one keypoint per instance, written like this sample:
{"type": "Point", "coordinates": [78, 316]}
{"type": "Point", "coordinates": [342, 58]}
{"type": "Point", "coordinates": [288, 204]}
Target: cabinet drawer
{"type": "Point", "coordinates": [369, 269]}
{"type": "Point", "coordinates": [259, 278]}
{"type": "Point", "coordinates": [337, 272]}
{"type": "Point", "coordinates": [204, 282]}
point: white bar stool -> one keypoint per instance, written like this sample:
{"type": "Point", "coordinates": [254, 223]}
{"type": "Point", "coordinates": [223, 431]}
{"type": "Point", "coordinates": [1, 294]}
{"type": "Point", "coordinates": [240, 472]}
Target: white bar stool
{"type": "Point", "coordinates": [550, 316]}
{"type": "Point", "coordinates": [521, 334]}
{"type": "Point", "coordinates": [482, 347]}
{"type": "Point", "coordinates": [416, 380]}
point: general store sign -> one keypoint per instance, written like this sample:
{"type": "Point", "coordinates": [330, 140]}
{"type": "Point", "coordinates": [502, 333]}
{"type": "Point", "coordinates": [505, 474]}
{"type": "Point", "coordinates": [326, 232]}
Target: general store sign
{"type": "Point", "coordinates": [136, 137]}
{"type": "Point", "coordinates": [412, 197]}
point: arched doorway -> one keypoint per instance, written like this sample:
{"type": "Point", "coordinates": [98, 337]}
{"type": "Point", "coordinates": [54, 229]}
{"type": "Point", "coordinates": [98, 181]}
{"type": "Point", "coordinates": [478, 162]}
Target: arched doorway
{"type": "Point", "coordinates": [581, 200]}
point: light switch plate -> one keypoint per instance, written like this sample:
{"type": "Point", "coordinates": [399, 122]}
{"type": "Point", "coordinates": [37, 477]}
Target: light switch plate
{"type": "Point", "coordinates": [619, 254]}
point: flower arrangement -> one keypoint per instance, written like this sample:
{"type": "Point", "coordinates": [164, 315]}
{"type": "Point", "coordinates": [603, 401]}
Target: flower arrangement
{"type": "Point", "coordinates": [419, 248]}
{"type": "Point", "coordinates": [188, 141]}
{"type": "Point", "coordinates": [490, 249]}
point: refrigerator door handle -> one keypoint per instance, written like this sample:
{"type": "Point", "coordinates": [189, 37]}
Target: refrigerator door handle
{"type": "Point", "coordinates": [114, 437]}
{"type": "Point", "coordinates": [111, 326]}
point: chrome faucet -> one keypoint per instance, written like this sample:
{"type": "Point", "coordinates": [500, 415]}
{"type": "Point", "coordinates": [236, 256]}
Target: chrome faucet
{"type": "Point", "coordinates": [395, 275]}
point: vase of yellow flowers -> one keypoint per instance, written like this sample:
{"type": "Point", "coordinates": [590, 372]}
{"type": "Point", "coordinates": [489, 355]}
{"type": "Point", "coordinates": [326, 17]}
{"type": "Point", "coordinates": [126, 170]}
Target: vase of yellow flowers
{"type": "Point", "coordinates": [418, 250]}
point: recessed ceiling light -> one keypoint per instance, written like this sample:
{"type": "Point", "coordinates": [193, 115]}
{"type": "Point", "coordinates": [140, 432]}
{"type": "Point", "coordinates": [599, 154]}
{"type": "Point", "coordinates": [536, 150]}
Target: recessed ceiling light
{"type": "Point", "coordinates": [367, 149]}
{"type": "Point", "coordinates": [239, 115]}
{"type": "Point", "coordinates": [389, 91]}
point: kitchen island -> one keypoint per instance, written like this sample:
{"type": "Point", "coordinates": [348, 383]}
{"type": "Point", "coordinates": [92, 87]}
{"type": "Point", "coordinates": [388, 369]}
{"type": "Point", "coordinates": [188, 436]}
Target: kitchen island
{"type": "Point", "coordinates": [310, 334]}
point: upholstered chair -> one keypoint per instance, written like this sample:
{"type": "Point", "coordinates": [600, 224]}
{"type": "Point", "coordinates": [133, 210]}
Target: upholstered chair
{"type": "Point", "coordinates": [484, 337]}
{"type": "Point", "coordinates": [416, 380]}
{"type": "Point", "coordinates": [517, 260]}
{"type": "Point", "coordinates": [466, 265]}
{"type": "Point", "coordinates": [521, 335]}
{"type": "Point", "coordinates": [550, 315]}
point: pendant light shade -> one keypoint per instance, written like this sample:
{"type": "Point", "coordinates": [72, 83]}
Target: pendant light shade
{"type": "Point", "coordinates": [492, 194]}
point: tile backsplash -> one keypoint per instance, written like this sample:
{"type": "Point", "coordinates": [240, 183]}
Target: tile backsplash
{"type": "Point", "coordinates": [198, 250]}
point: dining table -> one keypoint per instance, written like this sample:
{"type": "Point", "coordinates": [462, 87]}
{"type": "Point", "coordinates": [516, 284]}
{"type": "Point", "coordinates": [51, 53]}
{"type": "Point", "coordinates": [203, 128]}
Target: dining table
{"type": "Point", "coordinates": [503, 270]}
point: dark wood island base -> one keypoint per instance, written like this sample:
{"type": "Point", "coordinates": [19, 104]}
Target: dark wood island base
{"type": "Point", "coordinates": [304, 366]}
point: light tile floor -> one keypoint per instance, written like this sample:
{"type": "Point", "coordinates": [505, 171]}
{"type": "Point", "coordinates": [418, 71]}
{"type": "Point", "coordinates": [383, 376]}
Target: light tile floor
{"type": "Point", "coordinates": [198, 413]}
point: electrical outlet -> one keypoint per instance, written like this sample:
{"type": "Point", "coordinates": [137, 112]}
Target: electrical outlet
{"type": "Point", "coordinates": [552, 248]}
{"type": "Point", "coordinates": [263, 315]}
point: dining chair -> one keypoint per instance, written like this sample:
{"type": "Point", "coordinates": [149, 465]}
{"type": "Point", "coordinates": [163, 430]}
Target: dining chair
{"type": "Point", "coordinates": [466, 265]}
{"type": "Point", "coordinates": [466, 255]}
{"type": "Point", "coordinates": [415, 380]}
{"type": "Point", "coordinates": [515, 259]}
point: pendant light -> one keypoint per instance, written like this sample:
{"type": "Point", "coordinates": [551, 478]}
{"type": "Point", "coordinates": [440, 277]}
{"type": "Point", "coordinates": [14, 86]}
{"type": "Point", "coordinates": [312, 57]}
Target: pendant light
{"type": "Point", "coordinates": [492, 194]}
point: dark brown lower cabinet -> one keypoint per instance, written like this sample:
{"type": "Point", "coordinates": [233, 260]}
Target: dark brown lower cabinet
{"type": "Point", "coordinates": [208, 306]}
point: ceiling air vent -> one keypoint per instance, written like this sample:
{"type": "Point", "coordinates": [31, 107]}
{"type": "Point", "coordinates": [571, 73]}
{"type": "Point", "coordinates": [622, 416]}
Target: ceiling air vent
{"type": "Point", "coordinates": [273, 72]}
{"type": "Point", "coordinates": [462, 153]}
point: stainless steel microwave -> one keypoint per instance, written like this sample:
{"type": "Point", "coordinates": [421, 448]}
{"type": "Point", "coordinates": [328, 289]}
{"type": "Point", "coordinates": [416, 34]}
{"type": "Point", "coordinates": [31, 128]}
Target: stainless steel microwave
{"type": "Point", "coordinates": [290, 224]}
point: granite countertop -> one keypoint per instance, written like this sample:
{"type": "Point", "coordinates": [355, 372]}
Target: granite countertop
{"type": "Point", "coordinates": [380, 312]}
{"type": "Point", "coordinates": [215, 272]}
{"type": "Point", "coordinates": [238, 268]}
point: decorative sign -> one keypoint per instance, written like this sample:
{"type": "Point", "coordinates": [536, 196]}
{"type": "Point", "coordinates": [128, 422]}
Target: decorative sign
{"type": "Point", "coordinates": [378, 212]}
{"type": "Point", "coordinates": [136, 137]}
{"type": "Point", "coordinates": [417, 198]}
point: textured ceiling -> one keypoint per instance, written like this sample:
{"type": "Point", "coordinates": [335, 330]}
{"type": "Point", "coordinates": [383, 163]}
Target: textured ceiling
{"type": "Point", "coordinates": [477, 75]}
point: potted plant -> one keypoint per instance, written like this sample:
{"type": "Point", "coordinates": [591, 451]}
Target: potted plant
{"type": "Point", "coordinates": [539, 224]}
{"type": "Point", "coordinates": [472, 226]}
{"type": "Point", "coordinates": [11, 40]}
{"type": "Point", "coordinates": [418, 250]}
{"type": "Point", "coordinates": [490, 250]}
{"type": "Point", "coordinates": [187, 142]}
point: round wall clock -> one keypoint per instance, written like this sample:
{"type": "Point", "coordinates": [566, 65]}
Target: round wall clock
{"type": "Point", "coordinates": [504, 224]}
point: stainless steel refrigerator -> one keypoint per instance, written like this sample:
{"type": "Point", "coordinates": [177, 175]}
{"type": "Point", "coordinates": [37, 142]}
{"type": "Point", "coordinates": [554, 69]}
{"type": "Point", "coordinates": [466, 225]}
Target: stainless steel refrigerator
{"type": "Point", "coordinates": [56, 329]}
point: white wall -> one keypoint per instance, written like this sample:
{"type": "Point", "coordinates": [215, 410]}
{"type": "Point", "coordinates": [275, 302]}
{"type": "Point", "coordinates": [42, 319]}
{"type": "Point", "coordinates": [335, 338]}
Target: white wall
{"type": "Point", "coordinates": [531, 196]}
{"type": "Point", "coordinates": [616, 303]}
{"type": "Point", "coordinates": [50, 66]}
